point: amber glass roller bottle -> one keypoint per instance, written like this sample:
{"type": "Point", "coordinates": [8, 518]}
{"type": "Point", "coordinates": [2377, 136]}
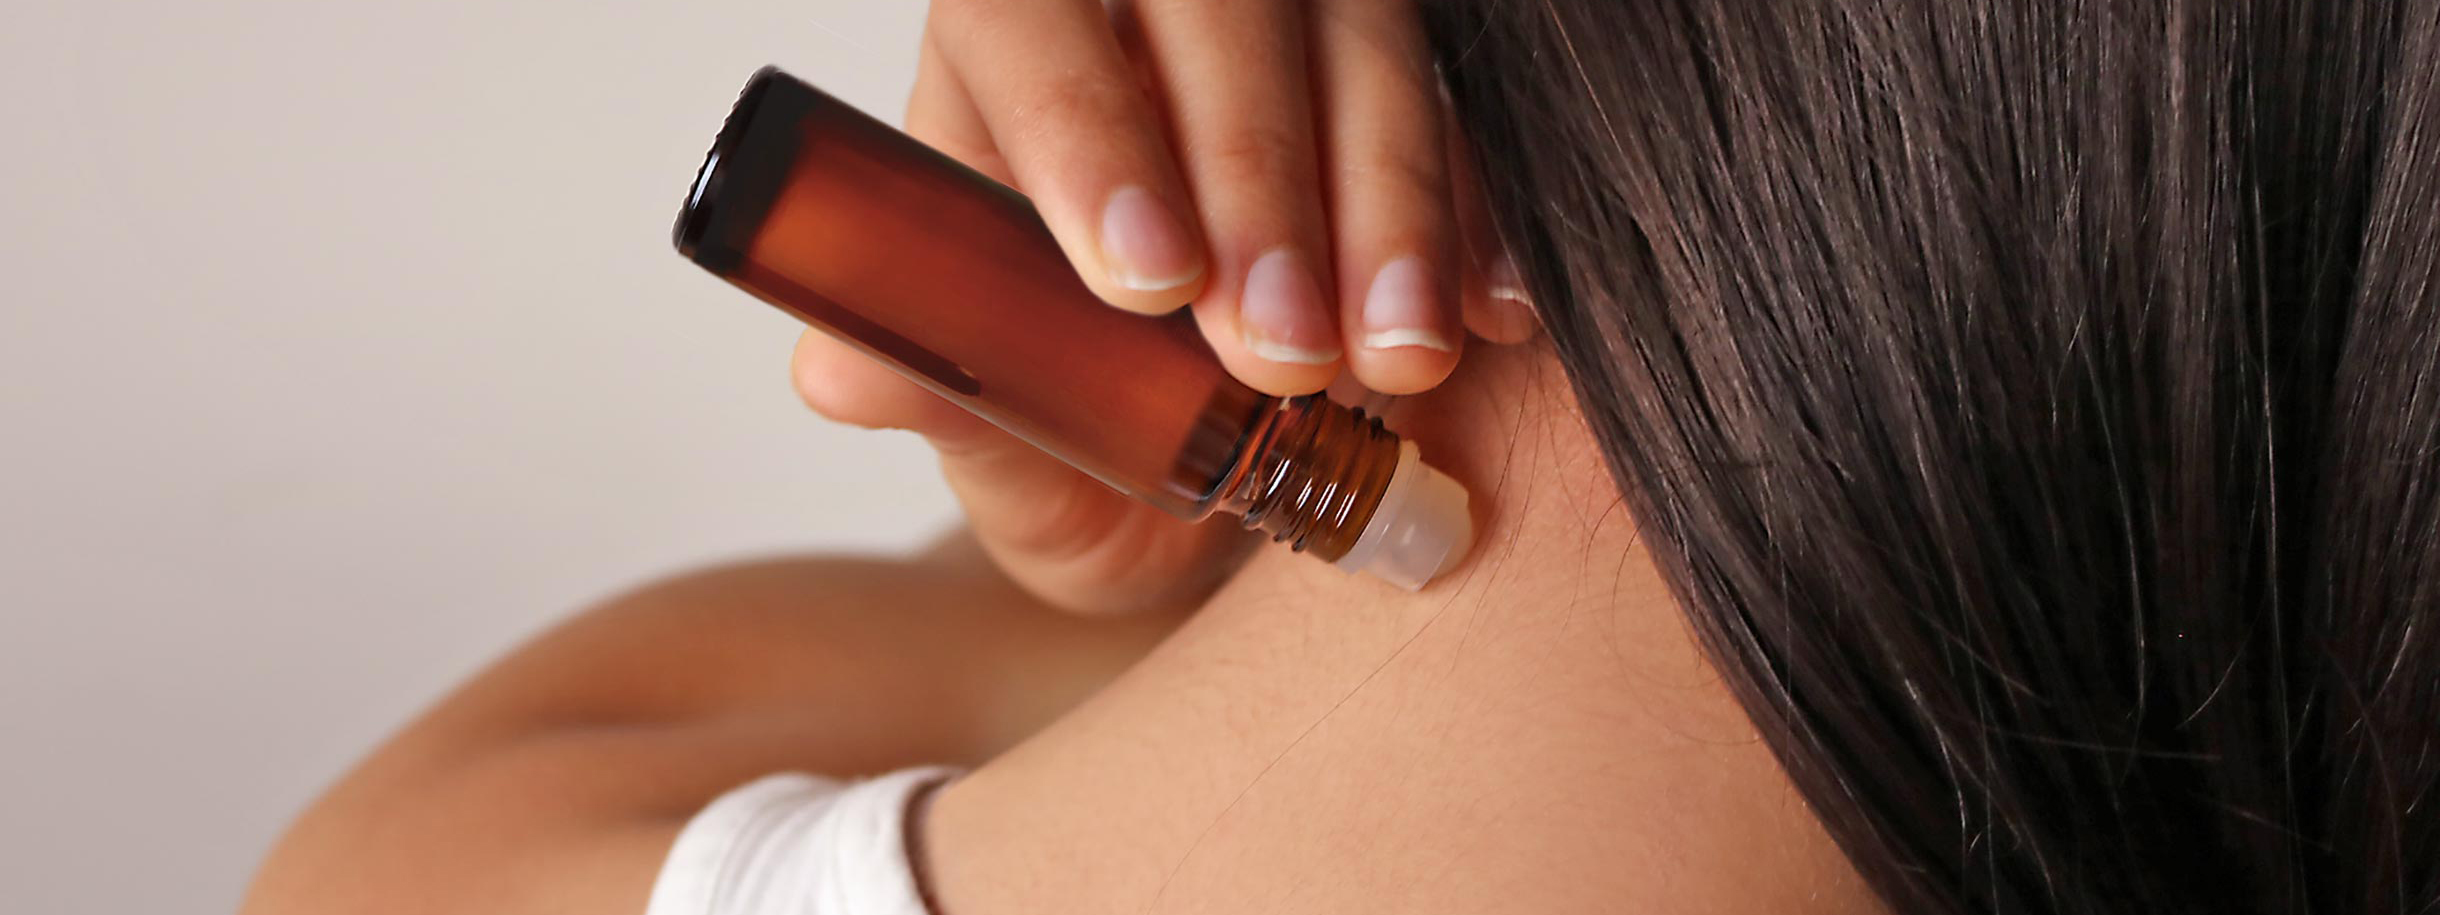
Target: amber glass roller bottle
{"type": "Point", "coordinates": [952, 279]}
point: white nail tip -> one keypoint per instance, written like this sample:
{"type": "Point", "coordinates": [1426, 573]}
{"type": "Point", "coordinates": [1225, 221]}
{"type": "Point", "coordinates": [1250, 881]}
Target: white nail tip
{"type": "Point", "coordinates": [1293, 355]}
{"type": "Point", "coordinates": [1511, 293]}
{"type": "Point", "coordinates": [1151, 284]}
{"type": "Point", "coordinates": [1407, 336]}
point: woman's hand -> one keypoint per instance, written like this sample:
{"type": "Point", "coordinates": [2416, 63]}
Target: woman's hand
{"type": "Point", "coordinates": [1280, 164]}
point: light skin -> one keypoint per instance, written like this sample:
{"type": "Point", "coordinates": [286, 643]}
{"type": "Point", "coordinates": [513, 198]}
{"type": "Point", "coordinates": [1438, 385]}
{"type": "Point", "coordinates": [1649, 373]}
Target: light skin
{"type": "Point", "coordinates": [1159, 717]}
{"type": "Point", "coordinates": [1537, 732]}
{"type": "Point", "coordinates": [1323, 209]}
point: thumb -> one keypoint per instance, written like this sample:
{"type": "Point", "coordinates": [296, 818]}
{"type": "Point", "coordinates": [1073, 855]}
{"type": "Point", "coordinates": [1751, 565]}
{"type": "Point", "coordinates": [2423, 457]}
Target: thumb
{"type": "Point", "coordinates": [1056, 531]}
{"type": "Point", "coordinates": [1074, 542]}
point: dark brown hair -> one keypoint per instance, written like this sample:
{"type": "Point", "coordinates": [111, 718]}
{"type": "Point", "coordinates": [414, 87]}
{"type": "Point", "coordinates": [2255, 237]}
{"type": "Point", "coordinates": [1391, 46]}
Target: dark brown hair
{"type": "Point", "coordinates": [2035, 405]}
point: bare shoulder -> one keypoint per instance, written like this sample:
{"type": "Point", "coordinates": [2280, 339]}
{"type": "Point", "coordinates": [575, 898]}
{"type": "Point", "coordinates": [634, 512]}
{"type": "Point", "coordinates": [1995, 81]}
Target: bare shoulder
{"type": "Point", "coordinates": [940, 634]}
{"type": "Point", "coordinates": [560, 774]}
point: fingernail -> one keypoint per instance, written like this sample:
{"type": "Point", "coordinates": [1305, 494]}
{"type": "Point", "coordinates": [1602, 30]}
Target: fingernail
{"type": "Point", "coordinates": [1401, 310]}
{"type": "Point", "coordinates": [1505, 284]}
{"type": "Point", "coordinates": [1144, 245]}
{"type": "Point", "coordinates": [1282, 315]}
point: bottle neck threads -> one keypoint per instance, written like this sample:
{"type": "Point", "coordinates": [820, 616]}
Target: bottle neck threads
{"type": "Point", "coordinates": [1318, 473]}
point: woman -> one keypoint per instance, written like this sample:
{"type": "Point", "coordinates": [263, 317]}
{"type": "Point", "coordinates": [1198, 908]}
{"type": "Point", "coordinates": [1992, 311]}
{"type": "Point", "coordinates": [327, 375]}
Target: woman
{"type": "Point", "coordinates": [1981, 459]}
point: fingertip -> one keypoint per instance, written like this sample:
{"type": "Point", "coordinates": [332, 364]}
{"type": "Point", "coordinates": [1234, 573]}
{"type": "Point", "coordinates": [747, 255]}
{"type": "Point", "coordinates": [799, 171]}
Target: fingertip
{"type": "Point", "coordinates": [1283, 313]}
{"type": "Point", "coordinates": [1502, 322]}
{"type": "Point", "coordinates": [1289, 354]}
{"type": "Point", "coordinates": [1156, 303]}
{"type": "Point", "coordinates": [1400, 374]}
{"type": "Point", "coordinates": [844, 385]}
{"type": "Point", "coordinates": [1405, 339]}
{"type": "Point", "coordinates": [829, 381]}
{"type": "Point", "coordinates": [813, 365]}
{"type": "Point", "coordinates": [1506, 312]}
{"type": "Point", "coordinates": [1261, 365]}
{"type": "Point", "coordinates": [1152, 258]}
{"type": "Point", "coordinates": [1278, 379]}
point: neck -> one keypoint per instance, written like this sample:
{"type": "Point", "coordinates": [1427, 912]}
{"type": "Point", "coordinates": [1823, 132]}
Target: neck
{"type": "Point", "coordinates": [1536, 731]}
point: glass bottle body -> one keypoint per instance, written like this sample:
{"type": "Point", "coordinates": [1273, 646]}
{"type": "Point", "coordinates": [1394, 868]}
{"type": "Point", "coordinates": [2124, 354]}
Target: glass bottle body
{"type": "Point", "coordinates": [954, 280]}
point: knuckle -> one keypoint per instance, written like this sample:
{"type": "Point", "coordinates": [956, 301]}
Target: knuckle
{"type": "Point", "coordinates": [1256, 158]}
{"type": "Point", "coordinates": [1073, 105]}
{"type": "Point", "coordinates": [1411, 178]}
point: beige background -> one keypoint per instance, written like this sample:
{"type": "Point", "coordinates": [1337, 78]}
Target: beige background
{"type": "Point", "coordinates": [341, 345]}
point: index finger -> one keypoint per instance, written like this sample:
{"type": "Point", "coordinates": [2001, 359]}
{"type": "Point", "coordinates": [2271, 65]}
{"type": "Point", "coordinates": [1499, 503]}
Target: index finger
{"type": "Point", "coordinates": [940, 112]}
{"type": "Point", "coordinates": [1062, 107]}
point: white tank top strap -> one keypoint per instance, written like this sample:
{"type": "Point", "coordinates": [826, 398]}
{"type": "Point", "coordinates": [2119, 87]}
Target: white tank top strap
{"type": "Point", "coordinates": [798, 844]}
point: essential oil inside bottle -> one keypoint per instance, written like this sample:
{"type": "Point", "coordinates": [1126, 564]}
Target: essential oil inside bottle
{"type": "Point", "coordinates": [952, 279]}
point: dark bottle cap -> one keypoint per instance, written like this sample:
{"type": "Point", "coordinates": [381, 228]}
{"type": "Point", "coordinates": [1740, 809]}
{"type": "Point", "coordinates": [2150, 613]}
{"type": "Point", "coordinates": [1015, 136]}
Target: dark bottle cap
{"type": "Point", "coordinates": [744, 169]}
